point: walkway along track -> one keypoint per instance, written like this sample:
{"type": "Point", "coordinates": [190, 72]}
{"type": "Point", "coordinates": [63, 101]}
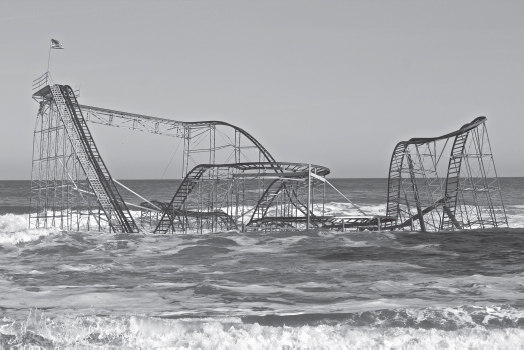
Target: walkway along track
{"type": "Point", "coordinates": [116, 211]}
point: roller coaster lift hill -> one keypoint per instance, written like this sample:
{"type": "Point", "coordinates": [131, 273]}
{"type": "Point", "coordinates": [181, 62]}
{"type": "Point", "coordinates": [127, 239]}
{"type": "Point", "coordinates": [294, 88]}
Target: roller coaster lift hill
{"type": "Point", "coordinates": [230, 181]}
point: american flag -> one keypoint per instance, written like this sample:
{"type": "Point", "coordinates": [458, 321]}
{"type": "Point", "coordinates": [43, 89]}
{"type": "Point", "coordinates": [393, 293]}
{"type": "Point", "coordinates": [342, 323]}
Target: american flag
{"type": "Point", "coordinates": [55, 44]}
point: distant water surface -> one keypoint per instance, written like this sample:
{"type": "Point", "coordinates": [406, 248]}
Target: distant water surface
{"type": "Point", "coordinates": [316, 288]}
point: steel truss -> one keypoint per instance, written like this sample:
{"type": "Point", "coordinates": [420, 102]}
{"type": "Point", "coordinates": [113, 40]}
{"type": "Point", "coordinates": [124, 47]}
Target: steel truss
{"type": "Point", "coordinates": [445, 183]}
{"type": "Point", "coordinates": [230, 181]}
{"type": "Point", "coordinates": [71, 187]}
{"type": "Point", "coordinates": [205, 142]}
{"type": "Point", "coordinates": [246, 197]}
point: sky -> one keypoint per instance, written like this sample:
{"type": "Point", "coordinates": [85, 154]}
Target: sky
{"type": "Point", "coordinates": [335, 83]}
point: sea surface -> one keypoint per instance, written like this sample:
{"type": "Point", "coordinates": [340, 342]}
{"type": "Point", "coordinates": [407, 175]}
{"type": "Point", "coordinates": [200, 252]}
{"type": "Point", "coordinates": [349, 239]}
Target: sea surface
{"type": "Point", "coordinates": [302, 289]}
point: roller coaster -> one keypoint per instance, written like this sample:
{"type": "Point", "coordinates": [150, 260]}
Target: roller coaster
{"type": "Point", "coordinates": [231, 182]}
{"type": "Point", "coordinates": [445, 183]}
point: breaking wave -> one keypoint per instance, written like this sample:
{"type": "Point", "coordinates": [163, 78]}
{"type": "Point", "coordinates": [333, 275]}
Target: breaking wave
{"type": "Point", "coordinates": [496, 327]}
{"type": "Point", "coordinates": [14, 229]}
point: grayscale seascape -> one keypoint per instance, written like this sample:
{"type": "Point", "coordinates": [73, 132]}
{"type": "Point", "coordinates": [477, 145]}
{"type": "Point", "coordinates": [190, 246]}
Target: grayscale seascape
{"type": "Point", "coordinates": [316, 288]}
{"type": "Point", "coordinates": [277, 174]}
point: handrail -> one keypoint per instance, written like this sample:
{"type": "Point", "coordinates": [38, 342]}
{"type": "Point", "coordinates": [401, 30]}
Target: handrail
{"type": "Point", "coordinates": [43, 80]}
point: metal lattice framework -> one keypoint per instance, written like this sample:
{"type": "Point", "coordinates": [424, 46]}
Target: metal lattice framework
{"type": "Point", "coordinates": [445, 183]}
{"type": "Point", "coordinates": [230, 181]}
{"type": "Point", "coordinates": [245, 196]}
{"type": "Point", "coordinates": [68, 170]}
{"type": "Point", "coordinates": [205, 142]}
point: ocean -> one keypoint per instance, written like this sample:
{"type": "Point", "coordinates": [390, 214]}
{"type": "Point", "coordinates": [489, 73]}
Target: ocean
{"type": "Point", "coordinates": [274, 290]}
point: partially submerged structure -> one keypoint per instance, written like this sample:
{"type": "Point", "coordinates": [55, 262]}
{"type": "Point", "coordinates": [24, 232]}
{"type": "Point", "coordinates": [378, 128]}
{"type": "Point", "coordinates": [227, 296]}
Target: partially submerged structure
{"type": "Point", "coordinates": [230, 181]}
{"type": "Point", "coordinates": [447, 182]}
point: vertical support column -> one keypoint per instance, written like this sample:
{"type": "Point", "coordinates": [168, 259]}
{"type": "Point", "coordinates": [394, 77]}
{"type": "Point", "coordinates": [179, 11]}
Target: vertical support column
{"type": "Point", "coordinates": [494, 187]}
{"type": "Point", "coordinates": [213, 173]}
{"type": "Point", "coordinates": [415, 194]}
{"type": "Point", "coordinates": [186, 152]}
{"type": "Point", "coordinates": [308, 195]}
{"type": "Point", "coordinates": [237, 146]}
{"type": "Point", "coordinates": [212, 145]}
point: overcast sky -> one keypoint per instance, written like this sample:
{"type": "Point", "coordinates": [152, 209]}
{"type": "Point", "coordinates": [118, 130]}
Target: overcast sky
{"type": "Point", "coordinates": [335, 83]}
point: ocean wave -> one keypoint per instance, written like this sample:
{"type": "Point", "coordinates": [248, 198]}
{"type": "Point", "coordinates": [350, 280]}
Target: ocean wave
{"type": "Point", "coordinates": [14, 230]}
{"type": "Point", "coordinates": [496, 327]}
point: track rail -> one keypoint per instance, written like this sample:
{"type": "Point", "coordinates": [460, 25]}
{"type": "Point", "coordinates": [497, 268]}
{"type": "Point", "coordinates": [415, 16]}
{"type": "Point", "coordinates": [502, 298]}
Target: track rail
{"type": "Point", "coordinates": [175, 206]}
{"type": "Point", "coordinates": [424, 177]}
{"type": "Point", "coordinates": [101, 182]}
{"type": "Point", "coordinates": [160, 126]}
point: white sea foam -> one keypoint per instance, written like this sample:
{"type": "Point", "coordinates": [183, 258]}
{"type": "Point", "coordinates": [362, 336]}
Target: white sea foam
{"type": "Point", "coordinates": [14, 229]}
{"type": "Point", "coordinates": [232, 333]}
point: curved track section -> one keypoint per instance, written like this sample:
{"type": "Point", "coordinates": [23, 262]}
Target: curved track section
{"type": "Point", "coordinates": [238, 191]}
{"type": "Point", "coordinates": [278, 185]}
{"type": "Point", "coordinates": [428, 193]}
{"type": "Point", "coordinates": [187, 130]}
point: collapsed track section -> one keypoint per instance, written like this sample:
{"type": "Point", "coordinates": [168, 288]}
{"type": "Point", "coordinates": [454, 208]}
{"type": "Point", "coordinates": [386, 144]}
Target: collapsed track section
{"type": "Point", "coordinates": [445, 183]}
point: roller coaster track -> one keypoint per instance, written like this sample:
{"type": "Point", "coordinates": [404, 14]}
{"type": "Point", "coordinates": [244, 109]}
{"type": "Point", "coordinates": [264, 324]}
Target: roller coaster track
{"type": "Point", "coordinates": [175, 206]}
{"type": "Point", "coordinates": [159, 126]}
{"type": "Point", "coordinates": [231, 171]}
{"type": "Point", "coordinates": [400, 158]}
{"type": "Point", "coordinates": [276, 187]}
{"type": "Point", "coordinates": [452, 182]}
{"type": "Point", "coordinates": [119, 217]}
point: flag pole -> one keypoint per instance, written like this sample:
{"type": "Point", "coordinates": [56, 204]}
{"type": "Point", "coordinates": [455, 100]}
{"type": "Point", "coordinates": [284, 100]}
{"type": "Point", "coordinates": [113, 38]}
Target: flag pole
{"type": "Point", "coordinates": [48, 57]}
